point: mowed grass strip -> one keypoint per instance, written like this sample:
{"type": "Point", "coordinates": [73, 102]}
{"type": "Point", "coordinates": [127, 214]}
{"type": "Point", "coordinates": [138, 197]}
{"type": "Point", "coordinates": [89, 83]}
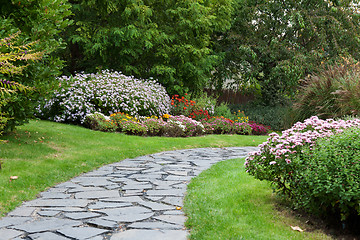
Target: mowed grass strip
{"type": "Point", "coordinates": [224, 202]}
{"type": "Point", "coordinates": [42, 154]}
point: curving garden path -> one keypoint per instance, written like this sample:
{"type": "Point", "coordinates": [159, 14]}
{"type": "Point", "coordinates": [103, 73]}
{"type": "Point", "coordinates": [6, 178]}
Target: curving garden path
{"type": "Point", "coordinates": [135, 199]}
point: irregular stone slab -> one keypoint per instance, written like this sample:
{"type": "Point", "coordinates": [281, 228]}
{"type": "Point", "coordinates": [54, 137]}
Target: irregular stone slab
{"type": "Point", "coordinates": [178, 178]}
{"type": "Point", "coordinates": [128, 193]}
{"type": "Point", "coordinates": [97, 194]}
{"type": "Point", "coordinates": [102, 223]}
{"type": "Point", "coordinates": [130, 199]}
{"type": "Point", "coordinates": [48, 213]}
{"type": "Point", "coordinates": [22, 211]}
{"type": "Point", "coordinates": [9, 233]}
{"type": "Point", "coordinates": [55, 195]}
{"type": "Point", "coordinates": [139, 234]}
{"type": "Point", "coordinates": [85, 189]}
{"type": "Point", "coordinates": [175, 219]}
{"type": "Point", "coordinates": [47, 236]}
{"type": "Point", "coordinates": [58, 203]}
{"type": "Point", "coordinates": [103, 205]}
{"type": "Point", "coordinates": [46, 225]}
{"type": "Point", "coordinates": [154, 225]}
{"type": "Point", "coordinates": [137, 186]}
{"type": "Point", "coordinates": [170, 192]}
{"type": "Point", "coordinates": [129, 218]}
{"type": "Point", "coordinates": [81, 232]}
{"type": "Point", "coordinates": [81, 215]}
{"type": "Point", "coordinates": [127, 214]}
{"type": "Point", "coordinates": [178, 173]}
{"type": "Point", "coordinates": [174, 212]}
{"type": "Point", "coordinates": [156, 206]}
{"type": "Point", "coordinates": [175, 201]}
{"type": "Point", "coordinates": [64, 209]}
{"type": "Point", "coordinates": [10, 221]}
{"type": "Point", "coordinates": [92, 181]}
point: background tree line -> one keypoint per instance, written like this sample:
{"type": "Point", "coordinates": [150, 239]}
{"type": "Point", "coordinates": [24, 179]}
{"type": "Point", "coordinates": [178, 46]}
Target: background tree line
{"type": "Point", "coordinates": [265, 45]}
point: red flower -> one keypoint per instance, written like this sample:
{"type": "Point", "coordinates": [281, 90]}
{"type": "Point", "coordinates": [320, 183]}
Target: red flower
{"type": "Point", "coordinates": [184, 108]}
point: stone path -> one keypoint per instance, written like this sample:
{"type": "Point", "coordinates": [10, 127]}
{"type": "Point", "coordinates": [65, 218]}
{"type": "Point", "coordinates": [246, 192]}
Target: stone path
{"type": "Point", "coordinates": [135, 199]}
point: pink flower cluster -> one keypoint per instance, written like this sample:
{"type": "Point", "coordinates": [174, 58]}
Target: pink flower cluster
{"type": "Point", "coordinates": [280, 149]}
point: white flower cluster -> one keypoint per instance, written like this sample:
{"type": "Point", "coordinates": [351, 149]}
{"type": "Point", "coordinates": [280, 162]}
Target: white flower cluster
{"type": "Point", "coordinates": [106, 92]}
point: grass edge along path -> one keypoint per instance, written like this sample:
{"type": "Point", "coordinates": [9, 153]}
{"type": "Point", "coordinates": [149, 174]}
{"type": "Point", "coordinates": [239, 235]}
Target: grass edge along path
{"type": "Point", "coordinates": [42, 154]}
{"type": "Point", "coordinates": [224, 202]}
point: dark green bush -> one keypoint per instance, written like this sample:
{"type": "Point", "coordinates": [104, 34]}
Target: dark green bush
{"type": "Point", "coordinates": [328, 182]}
{"type": "Point", "coordinates": [334, 92]}
{"type": "Point", "coordinates": [277, 117]}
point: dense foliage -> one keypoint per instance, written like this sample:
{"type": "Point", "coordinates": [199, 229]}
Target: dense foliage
{"type": "Point", "coordinates": [41, 21]}
{"type": "Point", "coordinates": [284, 159]}
{"type": "Point", "coordinates": [333, 92]}
{"type": "Point", "coordinates": [30, 35]}
{"type": "Point", "coordinates": [168, 40]}
{"type": "Point", "coordinates": [273, 44]}
{"type": "Point", "coordinates": [15, 56]}
{"type": "Point", "coordinates": [106, 92]}
{"type": "Point", "coordinates": [328, 182]}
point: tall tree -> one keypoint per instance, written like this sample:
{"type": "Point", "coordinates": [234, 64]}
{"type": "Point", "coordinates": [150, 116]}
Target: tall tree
{"type": "Point", "coordinates": [167, 40]}
{"type": "Point", "coordinates": [272, 44]}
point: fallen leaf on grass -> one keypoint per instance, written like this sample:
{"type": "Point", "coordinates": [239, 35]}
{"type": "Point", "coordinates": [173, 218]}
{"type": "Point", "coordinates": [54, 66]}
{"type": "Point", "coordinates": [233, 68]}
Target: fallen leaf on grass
{"type": "Point", "coordinates": [297, 228]}
{"type": "Point", "coordinates": [14, 177]}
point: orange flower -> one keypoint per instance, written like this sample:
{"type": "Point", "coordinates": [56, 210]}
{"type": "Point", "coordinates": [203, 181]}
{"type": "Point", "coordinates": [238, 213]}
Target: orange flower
{"type": "Point", "coordinates": [172, 103]}
{"type": "Point", "coordinates": [184, 108]}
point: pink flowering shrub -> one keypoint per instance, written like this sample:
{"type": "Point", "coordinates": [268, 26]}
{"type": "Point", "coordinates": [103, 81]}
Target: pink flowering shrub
{"type": "Point", "coordinates": [155, 126]}
{"type": "Point", "coordinates": [220, 125]}
{"type": "Point", "coordinates": [242, 128]}
{"type": "Point", "coordinates": [258, 129]}
{"type": "Point", "coordinates": [181, 126]}
{"type": "Point", "coordinates": [274, 160]}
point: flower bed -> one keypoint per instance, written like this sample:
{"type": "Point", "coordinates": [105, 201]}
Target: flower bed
{"type": "Point", "coordinates": [167, 125]}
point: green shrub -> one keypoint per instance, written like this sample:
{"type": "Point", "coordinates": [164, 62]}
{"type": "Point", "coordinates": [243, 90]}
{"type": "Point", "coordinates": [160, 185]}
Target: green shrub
{"type": "Point", "coordinates": [98, 121]}
{"type": "Point", "coordinates": [333, 92]}
{"type": "Point", "coordinates": [328, 181]}
{"type": "Point", "coordinates": [16, 99]}
{"type": "Point", "coordinates": [315, 164]}
{"type": "Point", "coordinates": [205, 103]}
{"type": "Point", "coordinates": [134, 128]}
{"type": "Point", "coordinates": [223, 110]}
{"type": "Point", "coordinates": [277, 117]}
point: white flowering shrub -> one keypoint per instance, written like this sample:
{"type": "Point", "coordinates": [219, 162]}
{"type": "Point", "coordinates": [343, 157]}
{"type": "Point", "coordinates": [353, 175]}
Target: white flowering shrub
{"type": "Point", "coordinates": [106, 92]}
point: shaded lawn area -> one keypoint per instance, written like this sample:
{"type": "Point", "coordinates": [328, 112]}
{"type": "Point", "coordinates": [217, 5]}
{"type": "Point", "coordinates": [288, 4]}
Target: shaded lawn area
{"type": "Point", "coordinates": [225, 202]}
{"type": "Point", "coordinates": [42, 154]}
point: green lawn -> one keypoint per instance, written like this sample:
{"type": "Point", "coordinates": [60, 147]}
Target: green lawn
{"type": "Point", "coordinates": [225, 202]}
{"type": "Point", "coordinates": [44, 153]}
